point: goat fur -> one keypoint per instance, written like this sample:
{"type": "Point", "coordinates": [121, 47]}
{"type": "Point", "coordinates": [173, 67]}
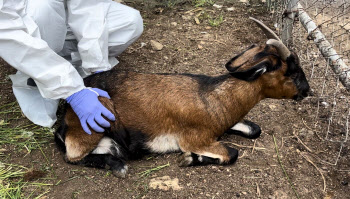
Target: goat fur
{"type": "Point", "coordinates": [185, 112]}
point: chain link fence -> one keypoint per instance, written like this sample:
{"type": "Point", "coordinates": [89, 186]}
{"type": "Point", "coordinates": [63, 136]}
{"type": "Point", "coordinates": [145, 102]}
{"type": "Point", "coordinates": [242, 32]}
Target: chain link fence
{"type": "Point", "coordinates": [319, 30]}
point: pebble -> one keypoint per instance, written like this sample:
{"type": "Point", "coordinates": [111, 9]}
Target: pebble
{"type": "Point", "coordinates": [324, 104]}
{"type": "Point", "coordinates": [156, 45]}
{"type": "Point", "coordinates": [217, 6]}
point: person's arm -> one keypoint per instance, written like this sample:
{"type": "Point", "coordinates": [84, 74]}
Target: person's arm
{"type": "Point", "coordinates": [55, 77]}
{"type": "Point", "coordinates": [87, 19]}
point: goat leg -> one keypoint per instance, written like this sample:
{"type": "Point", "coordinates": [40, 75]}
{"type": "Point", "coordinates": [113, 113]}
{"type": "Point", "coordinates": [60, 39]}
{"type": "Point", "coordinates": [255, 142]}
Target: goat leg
{"type": "Point", "coordinates": [216, 153]}
{"type": "Point", "coordinates": [245, 129]}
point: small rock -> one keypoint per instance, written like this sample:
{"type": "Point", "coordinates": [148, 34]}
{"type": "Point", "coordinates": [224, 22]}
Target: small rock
{"type": "Point", "coordinates": [156, 45]}
{"type": "Point", "coordinates": [230, 9]}
{"type": "Point", "coordinates": [173, 23]}
{"type": "Point", "coordinates": [197, 20]}
{"type": "Point", "coordinates": [165, 183]}
{"type": "Point", "coordinates": [217, 6]}
{"type": "Point", "coordinates": [207, 27]}
{"type": "Point", "coordinates": [281, 194]}
{"type": "Point", "coordinates": [324, 104]}
{"type": "Point", "coordinates": [200, 47]}
{"type": "Point", "coordinates": [272, 107]}
{"type": "Point", "coordinates": [186, 17]}
{"type": "Point", "coordinates": [143, 44]}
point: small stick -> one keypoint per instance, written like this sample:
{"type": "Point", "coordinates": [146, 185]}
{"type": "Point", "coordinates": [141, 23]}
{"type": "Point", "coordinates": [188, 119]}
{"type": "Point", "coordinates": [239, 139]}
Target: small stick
{"type": "Point", "coordinates": [302, 119]}
{"type": "Point", "coordinates": [257, 148]}
{"type": "Point", "coordinates": [301, 142]}
{"type": "Point", "coordinates": [258, 189]}
{"type": "Point", "coordinates": [242, 155]}
{"type": "Point", "coordinates": [313, 164]}
{"type": "Point", "coordinates": [282, 144]}
{"type": "Point", "coordinates": [253, 146]}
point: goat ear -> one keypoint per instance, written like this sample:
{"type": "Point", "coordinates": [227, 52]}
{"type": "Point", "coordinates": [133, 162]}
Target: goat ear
{"type": "Point", "coordinates": [250, 74]}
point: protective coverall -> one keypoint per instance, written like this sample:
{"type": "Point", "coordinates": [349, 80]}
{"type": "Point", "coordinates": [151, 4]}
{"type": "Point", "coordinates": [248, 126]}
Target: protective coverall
{"type": "Point", "coordinates": [57, 42]}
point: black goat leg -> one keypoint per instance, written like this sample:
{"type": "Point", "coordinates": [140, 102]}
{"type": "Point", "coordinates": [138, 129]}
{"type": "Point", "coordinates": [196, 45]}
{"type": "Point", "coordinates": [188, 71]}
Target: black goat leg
{"type": "Point", "coordinates": [245, 129]}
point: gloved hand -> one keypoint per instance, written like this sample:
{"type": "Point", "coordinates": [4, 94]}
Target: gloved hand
{"type": "Point", "coordinates": [88, 108]}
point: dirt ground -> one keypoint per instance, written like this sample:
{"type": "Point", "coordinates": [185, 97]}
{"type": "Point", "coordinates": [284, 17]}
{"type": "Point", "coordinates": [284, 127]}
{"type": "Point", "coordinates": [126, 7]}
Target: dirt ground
{"type": "Point", "coordinates": [193, 43]}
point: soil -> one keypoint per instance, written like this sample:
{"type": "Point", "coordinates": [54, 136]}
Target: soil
{"type": "Point", "coordinates": [201, 48]}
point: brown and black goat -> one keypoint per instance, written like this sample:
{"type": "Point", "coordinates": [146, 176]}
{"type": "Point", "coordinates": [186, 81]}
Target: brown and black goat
{"type": "Point", "coordinates": [164, 113]}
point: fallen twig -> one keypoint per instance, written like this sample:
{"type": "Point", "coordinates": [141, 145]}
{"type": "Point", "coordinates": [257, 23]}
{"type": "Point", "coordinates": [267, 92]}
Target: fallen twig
{"type": "Point", "coordinates": [244, 154]}
{"type": "Point", "coordinates": [301, 142]}
{"type": "Point", "coordinates": [253, 146]}
{"type": "Point", "coordinates": [243, 146]}
{"type": "Point", "coordinates": [258, 189]}
{"type": "Point", "coordinates": [313, 164]}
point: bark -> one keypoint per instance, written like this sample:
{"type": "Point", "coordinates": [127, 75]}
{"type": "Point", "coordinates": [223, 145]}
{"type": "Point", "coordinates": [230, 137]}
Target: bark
{"type": "Point", "coordinates": [334, 60]}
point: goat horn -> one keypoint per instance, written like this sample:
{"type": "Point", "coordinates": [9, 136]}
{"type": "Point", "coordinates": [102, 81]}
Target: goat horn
{"type": "Point", "coordinates": [268, 32]}
{"type": "Point", "coordinates": [274, 40]}
{"type": "Point", "coordinates": [283, 51]}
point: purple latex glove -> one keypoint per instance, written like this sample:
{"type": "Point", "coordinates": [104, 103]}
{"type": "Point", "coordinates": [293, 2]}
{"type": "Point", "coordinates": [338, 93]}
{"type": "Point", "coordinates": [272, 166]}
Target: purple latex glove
{"type": "Point", "coordinates": [89, 109]}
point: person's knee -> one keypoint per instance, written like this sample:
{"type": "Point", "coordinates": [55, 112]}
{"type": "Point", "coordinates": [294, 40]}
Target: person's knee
{"type": "Point", "coordinates": [45, 10]}
{"type": "Point", "coordinates": [135, 22]}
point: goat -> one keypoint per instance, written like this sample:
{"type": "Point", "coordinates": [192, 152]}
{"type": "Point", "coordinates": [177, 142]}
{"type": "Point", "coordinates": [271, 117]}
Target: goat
{"type": "Point", "coordinates": [163, 113]}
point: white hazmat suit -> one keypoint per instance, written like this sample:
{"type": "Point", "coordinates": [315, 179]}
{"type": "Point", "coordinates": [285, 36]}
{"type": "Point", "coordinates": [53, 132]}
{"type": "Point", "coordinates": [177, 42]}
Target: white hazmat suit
{"type": "Point", "coordinates": [57, 42]}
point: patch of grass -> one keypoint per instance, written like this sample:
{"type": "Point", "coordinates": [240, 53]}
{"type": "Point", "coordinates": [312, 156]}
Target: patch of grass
{"type": "Point", "coordinates": [147, 172]}
{"type": "Point", "coordinates": [12, 184]}
{"type": "Point", "coordinates": [217, 21]}
{"type": "Point", "coordinates": [203, 3]}
{"type": "Point", "coordinates": [213, 21]}
{"type": "Point", "coordinates": [23, 135]}
{"type": "Point", "coordinates": [16, 131]}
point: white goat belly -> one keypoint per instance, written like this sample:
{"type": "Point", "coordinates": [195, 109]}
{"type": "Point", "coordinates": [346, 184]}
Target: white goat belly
{"type": "Point", "coordinates": [164, 143]}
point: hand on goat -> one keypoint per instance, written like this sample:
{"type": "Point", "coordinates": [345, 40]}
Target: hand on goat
{"type": "Point", "coordinates": [89, 109]}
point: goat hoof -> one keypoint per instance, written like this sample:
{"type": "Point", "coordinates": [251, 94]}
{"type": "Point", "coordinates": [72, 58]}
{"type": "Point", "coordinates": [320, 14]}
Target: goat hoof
{"type": "Point", "coordinates": [120, 173]}
{"type": "Point", "coordinates": [185, 160]}
{"type": "Point", "coordinates": [255, 130]}
{"type": "Point", "coordinates": [245, 129]}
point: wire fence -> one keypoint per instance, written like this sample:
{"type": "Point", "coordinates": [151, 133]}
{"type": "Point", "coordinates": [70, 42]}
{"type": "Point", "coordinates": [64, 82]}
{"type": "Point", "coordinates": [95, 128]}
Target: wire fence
{"type": "Point", "coordinates": [328, 111]}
